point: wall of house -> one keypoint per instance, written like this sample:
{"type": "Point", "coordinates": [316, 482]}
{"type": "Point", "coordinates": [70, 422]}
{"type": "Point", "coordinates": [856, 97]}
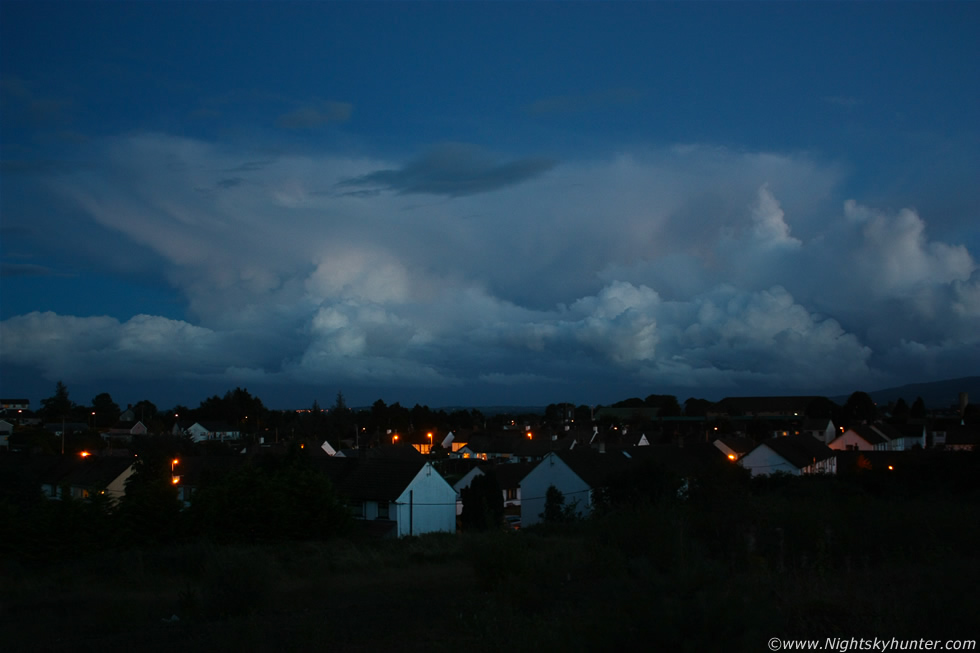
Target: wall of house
{"type": "Point", "coordinates": [552, 470]}
{"type": "Point", "coordinates": [825, 466]}
{"type": "Point", "coordinates": [850, 441]}
{"type": "Point", "coordinates": [117, 488]}
{"type": "Point", "coordinates": [428, 505]}
{"type": "Point", "coordinates": [762, 460]}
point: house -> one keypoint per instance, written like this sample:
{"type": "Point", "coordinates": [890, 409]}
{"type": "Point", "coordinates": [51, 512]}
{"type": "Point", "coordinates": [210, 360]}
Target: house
{"type": "Point", "coordinates": [82, 477]}
{"type": "Point", "coordinates": [576, 474]}
{"type": "Point", "coordinates": [792, 454]}
{"type": "Point", "coordinates": [124, 431]}
{"type": "Point", "coordinates": [957, 438]}
{"type": "Point", "coordinates": [488, 447]}
{"type": "Point", "coordinates": [822, 429]}
{"type": "Point", "coordinates": [860, 437]}
{"type": "Point", "coordinates": [6, 428]}
{"type": "Point", "coordinates": [206, 430]}
{"type": "Point", "coordinates": [394, 497]}
{"type": "Point", "coordinates": [15, 404]}
{"type": "Point", "coordinates": [509, 477]}
{"type": "Point", "coordinates": [533, 450]}
{"type": "Point", "coordinates": [902, 437]}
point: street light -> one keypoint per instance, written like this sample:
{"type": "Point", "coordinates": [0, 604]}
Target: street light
{"type": "Point", "coordinates": [394, 438]}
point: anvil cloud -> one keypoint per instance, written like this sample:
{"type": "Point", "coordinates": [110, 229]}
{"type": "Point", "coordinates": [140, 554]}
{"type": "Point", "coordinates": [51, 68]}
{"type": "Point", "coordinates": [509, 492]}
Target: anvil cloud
{"type": "Point", "coordinates": [292, 248]}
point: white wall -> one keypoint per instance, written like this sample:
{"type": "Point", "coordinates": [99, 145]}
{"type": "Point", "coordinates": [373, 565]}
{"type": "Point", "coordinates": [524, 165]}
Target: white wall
{"type": "Point", "coordinates": [430, 502]}
{"type": "Point", "coordinates": [552, 470]}
{"type": "Point", "coordinates": [762, 460]}
{"type": "Point", "coordinates": [850, 441]}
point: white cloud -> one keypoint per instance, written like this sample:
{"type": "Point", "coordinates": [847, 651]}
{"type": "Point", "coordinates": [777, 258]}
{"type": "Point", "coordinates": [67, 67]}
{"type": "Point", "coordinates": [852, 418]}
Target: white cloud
{"type": "Point", "coordinates": [896, 256]}
{"type": "Point", "coordinates": [676, 265]}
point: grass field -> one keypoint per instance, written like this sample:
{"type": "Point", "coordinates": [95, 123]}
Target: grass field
{"type": "Point", "coordinates": [673, 576]}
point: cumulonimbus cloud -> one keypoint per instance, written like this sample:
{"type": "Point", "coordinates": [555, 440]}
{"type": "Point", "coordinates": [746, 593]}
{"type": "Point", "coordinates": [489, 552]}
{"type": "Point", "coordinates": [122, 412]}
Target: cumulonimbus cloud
{"type": "Point", "coordinates": [692, 266]}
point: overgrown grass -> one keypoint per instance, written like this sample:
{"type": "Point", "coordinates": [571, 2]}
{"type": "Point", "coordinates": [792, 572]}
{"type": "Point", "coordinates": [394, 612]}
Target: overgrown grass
{"type": "Point", "coordinates": [805, 561]}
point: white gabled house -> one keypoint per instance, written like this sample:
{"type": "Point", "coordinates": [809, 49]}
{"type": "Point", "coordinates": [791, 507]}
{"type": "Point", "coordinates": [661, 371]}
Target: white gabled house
{"type": "Point", "coordinates": [859, 437]}
{"type": "Point", "coordinates": [902, 437]}
{"type": "Point", "coordinates": [205, 431]}
{"type": "Point", "coordinates": [400, 497]}
{"type": "Point", "coordinates": [821, 429]}
{"type": "Point", "coordinates": [791, 454]}
{"type": "Point", "coordinates": [576, 474]}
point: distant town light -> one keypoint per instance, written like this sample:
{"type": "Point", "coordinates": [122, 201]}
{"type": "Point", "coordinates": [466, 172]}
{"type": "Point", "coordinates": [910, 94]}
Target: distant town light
{"type": "Point", "coordinates": [84, 454]}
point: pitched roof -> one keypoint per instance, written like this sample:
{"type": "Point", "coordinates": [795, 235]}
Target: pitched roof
{"type": "Point", "coordinates": [510, 475]}
{"type": "Point", "coordinates": [91, 471]}
{"type": "Point", "coordinates": [370, 479]}
{"type": "Point", "coordinates": [800, 450]}
{"type": "Point", "coordinates": [215, 426]}
{"type": "Point", "coordinates": [868, 434]}
{"type": "Point", "coordinates": [898, 431]}
{"type": "Point", "coordinates": [737, 444]}
{"type": "Point", "coordinates": [594, 467]}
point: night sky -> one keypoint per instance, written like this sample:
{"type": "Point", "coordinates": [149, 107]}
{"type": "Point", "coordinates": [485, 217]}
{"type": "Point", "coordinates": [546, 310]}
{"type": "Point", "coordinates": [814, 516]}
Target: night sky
{"type": "Point", "coordinates": [487, 203]}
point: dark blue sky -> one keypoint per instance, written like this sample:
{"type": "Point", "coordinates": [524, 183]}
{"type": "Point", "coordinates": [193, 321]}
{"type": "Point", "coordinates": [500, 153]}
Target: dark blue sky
{"type": "Point", "coordinates": [486, 202]}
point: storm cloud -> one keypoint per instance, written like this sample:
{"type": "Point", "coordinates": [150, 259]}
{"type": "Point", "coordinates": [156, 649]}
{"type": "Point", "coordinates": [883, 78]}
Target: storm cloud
{"type": "Point", "coordinates": [605, 268]}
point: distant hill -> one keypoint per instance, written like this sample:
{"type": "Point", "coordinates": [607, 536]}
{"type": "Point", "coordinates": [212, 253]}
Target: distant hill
{"type": "Point", "coordinates": [936, 395]}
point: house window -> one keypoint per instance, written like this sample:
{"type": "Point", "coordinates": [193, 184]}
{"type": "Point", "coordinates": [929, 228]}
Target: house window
{"type": "Point", "coordinates": [511, 493]}
{"type": "Point", "coordinates": [357, 509]}
{"type": "Point", "coordinates": [382, 510]}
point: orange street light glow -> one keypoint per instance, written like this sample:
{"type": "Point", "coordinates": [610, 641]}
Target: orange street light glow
{"type": "Point", "coordinates": [84, 454]}
{"type": "Point", "coordinates": [731, 456]}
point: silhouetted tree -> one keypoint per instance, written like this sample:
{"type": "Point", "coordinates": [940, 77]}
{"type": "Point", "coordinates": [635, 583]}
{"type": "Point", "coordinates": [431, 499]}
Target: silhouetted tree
{"type": "Point", "coordinates": [150, 510]}
{"type": "Point", "coordinates": [900, 411]}
{"type": "Point", "coordinates": [696, 407]}
{"type": "Point", "coordinates": [918, 409]}
{"type": "Point", "coordinates": [555, 509]}
{"type": "Point", "coordinates": [483, 503]}
{"type": "Point", "coordinates": [269, 500]}
{"type": "Point", "coordinates": [860, 407]}
{"type": "Point", "coordinates": [105, 409]}
{"type": "Point", "coordinates": [58, 405]}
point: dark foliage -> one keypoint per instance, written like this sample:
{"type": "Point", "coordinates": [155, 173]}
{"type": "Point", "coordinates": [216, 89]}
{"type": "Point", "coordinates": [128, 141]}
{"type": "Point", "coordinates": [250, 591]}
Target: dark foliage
{"type": "Point", "coordinates": [483, 503]}
{"type": "Point", "coordinates": [268, 500]}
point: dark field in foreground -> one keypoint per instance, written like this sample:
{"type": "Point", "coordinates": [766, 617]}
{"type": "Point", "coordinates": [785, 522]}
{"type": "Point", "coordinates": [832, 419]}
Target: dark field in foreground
{"type": "Point", "coordinates": [682, 576]}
